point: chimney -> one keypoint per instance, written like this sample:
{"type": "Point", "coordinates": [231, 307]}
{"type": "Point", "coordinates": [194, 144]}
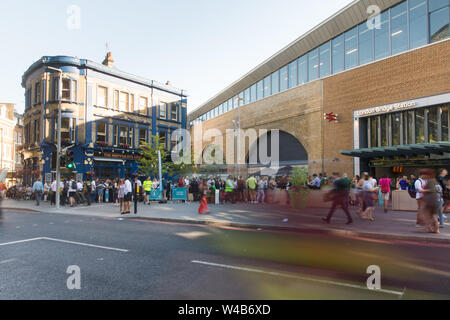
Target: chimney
{"type": "Point", "coordinates": [109, 61]}
{"type": "Point", "coordinates": [168, 83]}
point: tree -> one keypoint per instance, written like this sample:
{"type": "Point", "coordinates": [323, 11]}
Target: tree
{"type": "Point", "coordinates": [149, 163]}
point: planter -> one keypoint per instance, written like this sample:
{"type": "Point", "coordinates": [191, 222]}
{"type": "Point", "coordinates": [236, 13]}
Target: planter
{"type": "Point", "coordinates": [298, 200]}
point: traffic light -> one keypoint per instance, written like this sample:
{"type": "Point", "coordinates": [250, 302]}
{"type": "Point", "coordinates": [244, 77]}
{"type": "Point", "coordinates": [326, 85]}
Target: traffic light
{"type": "Point", "coordinates": [70, 160]}
{"type": "Point", "coordinates": [67, 160]}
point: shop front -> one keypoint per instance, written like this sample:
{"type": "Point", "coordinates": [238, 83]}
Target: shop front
{"type": "Point", "coordinates": [401, 138]}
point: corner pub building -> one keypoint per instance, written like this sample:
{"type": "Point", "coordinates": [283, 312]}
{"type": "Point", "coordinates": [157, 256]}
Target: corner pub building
{"type": "Point", "coordinates": [388, 86]}
{"type": "Point", "coordinates": [106, 115]}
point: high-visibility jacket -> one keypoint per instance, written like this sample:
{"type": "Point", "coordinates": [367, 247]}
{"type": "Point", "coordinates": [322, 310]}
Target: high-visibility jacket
{"type": "Point", "coordinates": [148, 185]}
{"type": "Point", "coordinates": [229, 186]}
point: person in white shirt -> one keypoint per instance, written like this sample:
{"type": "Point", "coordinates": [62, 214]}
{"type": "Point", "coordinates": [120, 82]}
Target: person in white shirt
{"type": "Point", "coordinates": [420, 185]}
{"type": "Point", "coordinates": [128, 193]}
{"type": "Point", "coordinates": [72, 192]}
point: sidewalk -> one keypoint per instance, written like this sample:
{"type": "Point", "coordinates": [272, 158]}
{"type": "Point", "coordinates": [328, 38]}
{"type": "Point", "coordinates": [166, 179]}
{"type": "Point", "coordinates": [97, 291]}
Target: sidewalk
{"type": "Point", "coordinates": [393, 225]}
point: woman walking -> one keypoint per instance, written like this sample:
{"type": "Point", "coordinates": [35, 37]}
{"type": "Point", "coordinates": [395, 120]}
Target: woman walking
{"type": "Point", "coordinates": [203, 201]}
{"type": "Point", "coordinates": [430, 203]}
{"type": "Point", "coordinates": [121, 195]}
{"type": "Point", "coordinates": [369, 193]}
{"type": "Point", "coordinates": [385, 188]}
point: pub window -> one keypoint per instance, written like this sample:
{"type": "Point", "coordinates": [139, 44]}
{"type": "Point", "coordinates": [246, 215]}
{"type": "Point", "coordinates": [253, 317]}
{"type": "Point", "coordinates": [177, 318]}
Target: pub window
{"type": "Point", "coordinates": [73, 129]}
{"type": "Point", "coordinates": [142, 136]}
{"type": "Point", "coordinates": [123, 135]}
{"type": "Point", "coordinates": [131, 102]}
{"type": "Point", "coordinates": [174, 111]}
{"type": "Point", "coordinates": [432, 117]}
{"type": "Point", "coordinates": [162, 110]}
{"type": "Point", "coordinates": [130, 136]}
{"type": "Point", "coordinates": [396, 129]}
{"type": "Point", "coordinates": [67, 83]}
{"type": "Point", "coordinates": [116, 99]}
{"type": "Point", "coordinates": [143, 105]}
{"type": "Point", "coordinates": [102, 96]}
{"type": "Point", "coordinates": [37, 89]}
{"type": "Point", "coordinates": [124, 101]}
{"type": "Point", "coordinates": [116, 135]}
{"type": "Point", "coordinates": [163, 136]}
{"type": "Point", "coordinates": [444, 123]}
{"type": "Point", "coordinates": [101, 132]}
{"type": "Point", "coordinates": [384, 130]}
{"type": "Point", "coordinates": [420, 125]}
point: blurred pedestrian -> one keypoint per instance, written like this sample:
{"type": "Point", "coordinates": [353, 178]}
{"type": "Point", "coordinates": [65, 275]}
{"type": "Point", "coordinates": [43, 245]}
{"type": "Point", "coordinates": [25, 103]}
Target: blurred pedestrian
{"type": "Point", "coordinates": [339, 196]}
{"type": "Point", "coordinates": [38, 189]}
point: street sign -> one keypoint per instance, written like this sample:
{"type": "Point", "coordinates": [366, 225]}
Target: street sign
{"type": "Point", "coordinates": [331, 117]}
{"type": "Point", "coordinates": [180, 194]}
{"type": "Point", "coordinates": [156, 195]}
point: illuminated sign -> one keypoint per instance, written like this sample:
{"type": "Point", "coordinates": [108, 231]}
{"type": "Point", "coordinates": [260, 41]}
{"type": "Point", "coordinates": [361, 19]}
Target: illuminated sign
{"type": "Point", "coordinates": [385, 109]}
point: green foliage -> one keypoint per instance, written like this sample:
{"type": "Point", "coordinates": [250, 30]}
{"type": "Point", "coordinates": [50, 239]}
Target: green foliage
{"type": "Point", "coordinates": [149, 164]}
{"type": "Point", "coordinates": [299, 177]}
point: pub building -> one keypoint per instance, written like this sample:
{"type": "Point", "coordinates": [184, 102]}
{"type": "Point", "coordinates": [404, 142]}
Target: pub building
{"type": "Point", "coordinates": [106, 115]}
{"type": "Point", "coordinates": [403, 137]}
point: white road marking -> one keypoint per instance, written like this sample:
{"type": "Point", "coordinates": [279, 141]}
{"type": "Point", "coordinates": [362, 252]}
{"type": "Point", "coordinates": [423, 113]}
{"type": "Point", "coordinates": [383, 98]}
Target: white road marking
{"type": "Point", "coordinates": [19, 241]}
{"type": "Point", "coordinates": [284, 275]}
{"type": "Point", "coordinates": [7, 261]}
{"type": "Point", "coordinates": [85, 244]}
{"type": "Point", "coordinates": [63, 241]}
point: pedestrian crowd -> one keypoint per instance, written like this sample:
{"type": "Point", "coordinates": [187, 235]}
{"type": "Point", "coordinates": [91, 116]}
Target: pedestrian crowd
{"type": "Point", "coordinates": [364, 192]}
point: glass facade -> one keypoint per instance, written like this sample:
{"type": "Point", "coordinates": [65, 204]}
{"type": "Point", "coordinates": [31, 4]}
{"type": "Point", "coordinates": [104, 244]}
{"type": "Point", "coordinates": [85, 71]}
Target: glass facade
{"type": "Point", "coordinates": [418, 23]}
{"type": "Point", "coordinates": [399, 34]}
{"type": "Point", "coordinates": [338, 54]}
{"type": "Point", "coordinates": [325, 60]}
{"type": "Point", "coordinates": [313, 65]}
{"type": "Point", "coordinates": [365, 41]}
{"type": "Point", "coordinates": [408, 25]}
{"type": "Point", "coordinates": [422, 125]}
{"type": "Point", "coordinates": [284, 78]}
{"type": "Point", "coordinates": [351, 48]}
{"type": "Point", "coordinates": [293, 74]}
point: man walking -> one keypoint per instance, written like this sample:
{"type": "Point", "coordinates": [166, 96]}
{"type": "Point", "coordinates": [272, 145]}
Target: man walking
{"type": "Point", "coordinates": [147, 190]}
{"type": "Point", "coordinates": [339, 196]}
{"type": "Point", "coordinates": [38, 189]}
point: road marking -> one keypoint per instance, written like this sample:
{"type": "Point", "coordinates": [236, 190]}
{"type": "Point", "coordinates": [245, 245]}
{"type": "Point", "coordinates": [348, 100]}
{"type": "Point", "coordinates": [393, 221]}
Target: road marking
{"type": "Point", "coordinates": [19, 241]}
{"type": "Point", "coordinates": [63, 241]}
{"type": "Point", "coordinates": [84, 244]}
{"type": "Point", "coordinates": [7, 261]}
{"type": "Point", "coordinates": [284, 275]}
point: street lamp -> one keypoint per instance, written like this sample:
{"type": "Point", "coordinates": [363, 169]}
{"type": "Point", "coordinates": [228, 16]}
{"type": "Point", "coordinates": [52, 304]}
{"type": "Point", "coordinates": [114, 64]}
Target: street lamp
{"type": "Point", "coordinates": [58, 148]}
{"type": "Point", "coordinates": [239, 100]}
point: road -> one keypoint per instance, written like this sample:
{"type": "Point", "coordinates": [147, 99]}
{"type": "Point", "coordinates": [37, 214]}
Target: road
{"type": "Point", "coordinates": [134, 259]}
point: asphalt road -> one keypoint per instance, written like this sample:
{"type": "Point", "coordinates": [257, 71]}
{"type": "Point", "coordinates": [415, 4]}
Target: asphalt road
{"type": "Point", "coordinates": [133, 259]}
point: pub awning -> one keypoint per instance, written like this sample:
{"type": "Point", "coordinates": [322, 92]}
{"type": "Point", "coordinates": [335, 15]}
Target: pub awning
{"type": "Point", "coordinates": [397, 151]}
{"type": "Point", "coordinates": [103, 159]}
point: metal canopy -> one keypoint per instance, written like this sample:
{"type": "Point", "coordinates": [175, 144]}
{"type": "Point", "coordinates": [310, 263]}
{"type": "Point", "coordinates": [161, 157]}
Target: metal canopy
{"type": "Point", "coordinates": [396, 151]}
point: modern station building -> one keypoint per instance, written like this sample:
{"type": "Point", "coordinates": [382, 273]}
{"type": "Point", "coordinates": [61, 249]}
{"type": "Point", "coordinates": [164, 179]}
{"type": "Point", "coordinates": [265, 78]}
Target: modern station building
{"type": "Point", "coordinates": [106, 115]}
{"type": "Point", "coordinates": [385, 79]}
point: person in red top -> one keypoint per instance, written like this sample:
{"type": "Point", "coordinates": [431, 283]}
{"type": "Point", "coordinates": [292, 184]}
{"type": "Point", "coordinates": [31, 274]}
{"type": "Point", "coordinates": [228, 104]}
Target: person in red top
{"type": "Point", "coordinates": [181, 183]}
{"type": "Point", "coordinates": [385, 187]}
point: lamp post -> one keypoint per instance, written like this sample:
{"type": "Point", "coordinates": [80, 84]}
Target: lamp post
{"type": "Point", "coordinates": [239, 100]}
{"type": "Point", "coordinates": [58, 148]}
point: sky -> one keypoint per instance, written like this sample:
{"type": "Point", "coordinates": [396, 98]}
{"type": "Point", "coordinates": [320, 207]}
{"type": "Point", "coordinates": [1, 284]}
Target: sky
{"type": "Point", "coordinates": [201, 46]}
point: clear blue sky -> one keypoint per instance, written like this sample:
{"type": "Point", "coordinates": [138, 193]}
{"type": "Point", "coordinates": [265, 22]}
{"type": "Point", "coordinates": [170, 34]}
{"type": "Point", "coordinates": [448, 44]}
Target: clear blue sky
{"type": "Point", "coordinates": [199, 45]}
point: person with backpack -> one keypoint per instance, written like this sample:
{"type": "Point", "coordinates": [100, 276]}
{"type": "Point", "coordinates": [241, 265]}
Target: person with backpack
{"type": "Point", "coordinates": [385, 188]}
{"type": "Point", "coordinates": [72, 191]}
